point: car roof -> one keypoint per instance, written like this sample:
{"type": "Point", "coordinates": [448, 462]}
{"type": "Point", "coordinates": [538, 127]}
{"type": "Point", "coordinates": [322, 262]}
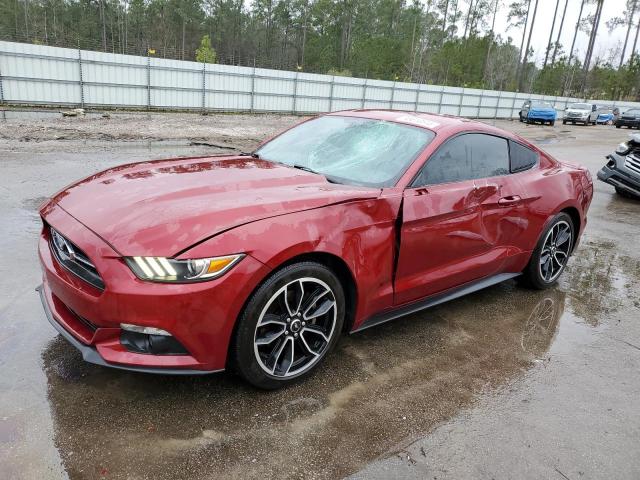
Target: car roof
{"type": "Point", "coordinates": [430, 121]}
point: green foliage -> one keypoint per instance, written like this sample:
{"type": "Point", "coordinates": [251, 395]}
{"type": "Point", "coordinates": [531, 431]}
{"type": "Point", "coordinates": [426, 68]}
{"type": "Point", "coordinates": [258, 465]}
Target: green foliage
{"type": "Point", "coordinates": [442, 42]}
{"type": "Point", "coordinates": [205, 53]}
{"type": "Point", "coordinates": [339, 73]}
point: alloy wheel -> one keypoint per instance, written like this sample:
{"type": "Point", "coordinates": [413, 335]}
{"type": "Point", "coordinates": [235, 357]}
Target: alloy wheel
{"type": "Point", "coordinates": [555, 251]}
{"type": "Point", "coordinates": [295, 327]}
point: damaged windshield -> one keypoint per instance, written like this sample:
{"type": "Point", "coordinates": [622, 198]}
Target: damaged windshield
{"type": "Point", "coordinates": [351, 150]}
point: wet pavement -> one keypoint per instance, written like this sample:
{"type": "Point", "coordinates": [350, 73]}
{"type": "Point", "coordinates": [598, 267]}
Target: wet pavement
{"type": "Point", "coordinates": [504, 383]}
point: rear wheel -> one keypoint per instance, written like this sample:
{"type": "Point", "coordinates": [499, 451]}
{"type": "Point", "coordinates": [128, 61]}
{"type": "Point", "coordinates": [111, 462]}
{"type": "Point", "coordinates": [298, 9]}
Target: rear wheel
{"type": "Point", "coordinates": [551, 254]}
{"type": "Point", "coordinates": [292, 321]}
{"type": "Point", "coordinates": [552, 123]}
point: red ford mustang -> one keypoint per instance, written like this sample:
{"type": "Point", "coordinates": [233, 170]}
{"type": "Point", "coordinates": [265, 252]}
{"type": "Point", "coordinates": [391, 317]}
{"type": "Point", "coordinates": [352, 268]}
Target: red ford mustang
{"type": "Point", "coordinates": [261, 261]}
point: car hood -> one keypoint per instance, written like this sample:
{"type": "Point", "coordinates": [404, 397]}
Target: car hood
{"type": "Point", "coordinates": [542, 111]}
{"type": "Point", "coordinates": [575, 110]}
{"type": "Point", "coordinates": [163, 207]}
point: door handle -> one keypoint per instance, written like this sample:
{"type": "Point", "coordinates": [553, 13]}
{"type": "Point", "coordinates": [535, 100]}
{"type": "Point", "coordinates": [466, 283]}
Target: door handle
{"type": "Point", "coordinates": [510, 200]}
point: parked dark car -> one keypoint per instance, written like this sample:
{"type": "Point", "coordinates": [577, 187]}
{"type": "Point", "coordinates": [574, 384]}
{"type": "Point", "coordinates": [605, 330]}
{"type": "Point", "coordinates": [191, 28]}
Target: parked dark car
{"type": "Point", "coordinates": [630, 118]}
{"type": "Point", "coordinates": [623, 168]}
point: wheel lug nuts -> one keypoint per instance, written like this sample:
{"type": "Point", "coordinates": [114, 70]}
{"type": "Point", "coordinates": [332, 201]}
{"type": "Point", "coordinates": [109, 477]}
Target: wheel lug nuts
{"type": "Point", "coordinates": [295, 335]}
{"type": "Point", "coordinates": [286, 332]}
{"type": "Point", "coordinates": [304, 323]}
{"type": "Point", "coordinates": [288, 320]}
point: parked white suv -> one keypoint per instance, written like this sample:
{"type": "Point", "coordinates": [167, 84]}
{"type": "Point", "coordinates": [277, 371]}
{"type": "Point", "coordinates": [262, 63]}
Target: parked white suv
{"type": "Point", "coordinates": [586, 113]}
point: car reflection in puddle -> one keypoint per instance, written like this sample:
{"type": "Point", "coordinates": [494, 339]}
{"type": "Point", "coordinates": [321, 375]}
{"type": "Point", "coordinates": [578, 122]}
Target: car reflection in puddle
{"type": "Point", "coordinates": [381, 386]}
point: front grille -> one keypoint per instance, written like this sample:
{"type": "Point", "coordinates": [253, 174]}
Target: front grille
{"type": "Point", "coordinates": [632, 161]}
{"type": "Point", "coordinates": [74, 259]}
{"type": "Point", "coordinates": [574, 115]}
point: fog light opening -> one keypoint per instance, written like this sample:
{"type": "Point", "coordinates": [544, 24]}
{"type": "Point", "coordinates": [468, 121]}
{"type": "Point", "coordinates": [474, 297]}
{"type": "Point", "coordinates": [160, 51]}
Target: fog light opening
{"type": "Point", "coordinates": [150, 340]}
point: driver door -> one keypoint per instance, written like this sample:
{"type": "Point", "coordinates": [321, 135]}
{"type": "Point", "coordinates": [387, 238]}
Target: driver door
{"type": "Point", "coordinates": [441, 235]}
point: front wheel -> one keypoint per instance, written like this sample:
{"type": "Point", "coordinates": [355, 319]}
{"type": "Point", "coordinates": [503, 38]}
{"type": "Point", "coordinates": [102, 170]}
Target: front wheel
{"type": "Point", "coordinates": [552, 123]}
{"type": "Point", "coordinates": [551, 254]}
{"type": "Point", "coordinates": [291, 322]}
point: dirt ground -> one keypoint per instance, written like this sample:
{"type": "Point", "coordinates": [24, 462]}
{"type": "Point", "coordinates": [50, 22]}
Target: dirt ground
{"type": "Point", "coordinates": [505, 383]}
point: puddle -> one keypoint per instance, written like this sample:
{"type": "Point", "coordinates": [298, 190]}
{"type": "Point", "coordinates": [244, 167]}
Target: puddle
{"type": "Point", "coordinates": [381, 386]}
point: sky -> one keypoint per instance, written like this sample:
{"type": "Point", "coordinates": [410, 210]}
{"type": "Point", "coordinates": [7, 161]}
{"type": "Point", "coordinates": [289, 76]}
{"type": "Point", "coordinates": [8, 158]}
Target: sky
{"type": "Point", "coordinates": [544, 19]}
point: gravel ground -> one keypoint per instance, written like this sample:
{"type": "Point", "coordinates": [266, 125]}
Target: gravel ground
{"type": "Point", "coordinates": [505, 383]}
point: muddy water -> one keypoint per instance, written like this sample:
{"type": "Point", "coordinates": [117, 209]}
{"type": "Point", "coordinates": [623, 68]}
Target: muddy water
{"type": "Point", "coordinates": [380, 389]}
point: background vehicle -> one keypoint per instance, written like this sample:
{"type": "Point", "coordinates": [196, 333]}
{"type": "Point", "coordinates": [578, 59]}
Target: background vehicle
{"type": "Point", "coordinates": [259, 262]}
{"type": "Point", "coordinates": [585, 113]}
{"type": "Point", "coordinates": [536, 111]}
{"type": "Point", "coordinates": [623, 168]}
{"type": "Point", "coordinates": [524, 110]}
{"type": "Point", "coordinates": [605, 114]}
{"type": "Point", "coordinates": [630, 118]}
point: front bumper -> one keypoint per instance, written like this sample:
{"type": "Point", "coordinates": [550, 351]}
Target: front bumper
{"type": "Point", "coordinates": [90, 354]}
{"type": "Point", "coordinates": [620, 179]}
{"type": "Point", "coordinates": [575, 119]}
{"type": "Point", "coordinates": [627, 123]}
{"type": "Point", "coordinates": [200, 316]}
{"type": "Point", "coordinates": [541, 117]}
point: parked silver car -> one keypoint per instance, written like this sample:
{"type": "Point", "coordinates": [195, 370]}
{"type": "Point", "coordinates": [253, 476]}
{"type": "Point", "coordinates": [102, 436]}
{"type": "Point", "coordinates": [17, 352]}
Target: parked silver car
{"type": "Point", "coordinates": [622, 169]}
{"type": "Point", "coordinates": [585, 113]}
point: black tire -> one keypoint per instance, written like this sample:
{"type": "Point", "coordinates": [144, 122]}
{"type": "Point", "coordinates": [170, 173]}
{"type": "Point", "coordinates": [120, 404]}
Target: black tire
{"type": "Point", "coordinates": [532, 275]}
{"type": "Point", "coordinates": [552, 123]}
{"type": "Point", "coordinates": [618, 126]}
{"type": "Point", "coordinates": [244, 356]}
{"type": "Point", "coordinates": [520, 117]}
{"type": "Point", "coordinates": [564, 122]}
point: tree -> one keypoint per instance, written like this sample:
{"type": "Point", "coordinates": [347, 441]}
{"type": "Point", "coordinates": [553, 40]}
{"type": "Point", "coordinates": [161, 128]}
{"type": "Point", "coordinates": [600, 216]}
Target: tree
{"type": "Point", "coordinates": [553, 25]}
{"type": "Point", "coordinates": [520, 11]}
{"type": "Point", "coordinates": [526, 50]}
{"type": "Point", "coordinates": [205, 52]}
{"type": "Point", "coordinates": [625, 19]}
{"type": "Point", "coordinates": [592, 41]}
{"type": "Point", "coordinates": [557, 45]}
{"type": "Point", "coordinates": [442, 42]}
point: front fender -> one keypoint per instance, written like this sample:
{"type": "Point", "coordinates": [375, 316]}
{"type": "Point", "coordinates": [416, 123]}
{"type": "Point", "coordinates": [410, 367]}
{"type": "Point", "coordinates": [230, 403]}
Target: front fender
{"type": "Point", "coordinates": [361, 233]}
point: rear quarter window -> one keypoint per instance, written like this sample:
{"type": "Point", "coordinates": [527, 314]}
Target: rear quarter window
{"type": "Point", "coordinates": [522, 158]}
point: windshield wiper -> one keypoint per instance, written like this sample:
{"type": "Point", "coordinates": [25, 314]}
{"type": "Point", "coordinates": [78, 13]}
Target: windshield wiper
{"type": "Point", "coordinates": [250, 154]}
{"type": "Point", "coordinates": [311, 170]}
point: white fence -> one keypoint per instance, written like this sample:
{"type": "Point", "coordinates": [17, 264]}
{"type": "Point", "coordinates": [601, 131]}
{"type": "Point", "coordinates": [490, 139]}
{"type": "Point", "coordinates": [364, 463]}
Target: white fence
{"type": "Point", "coordinates": [41, 75]}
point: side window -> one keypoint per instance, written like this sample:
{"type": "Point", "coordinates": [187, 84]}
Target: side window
{"type": "Point", "coordinates": [522, 158]}
{"type": "Point", "coordinates": [466, 157]}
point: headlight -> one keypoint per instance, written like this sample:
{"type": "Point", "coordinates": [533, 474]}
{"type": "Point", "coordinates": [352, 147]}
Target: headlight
{"type": "Point", "coordinates": [622, 149]}
{"type": "Point", "coordinates": [162, 269]}
{"type": "Point", "coordinates": [585, 114]}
